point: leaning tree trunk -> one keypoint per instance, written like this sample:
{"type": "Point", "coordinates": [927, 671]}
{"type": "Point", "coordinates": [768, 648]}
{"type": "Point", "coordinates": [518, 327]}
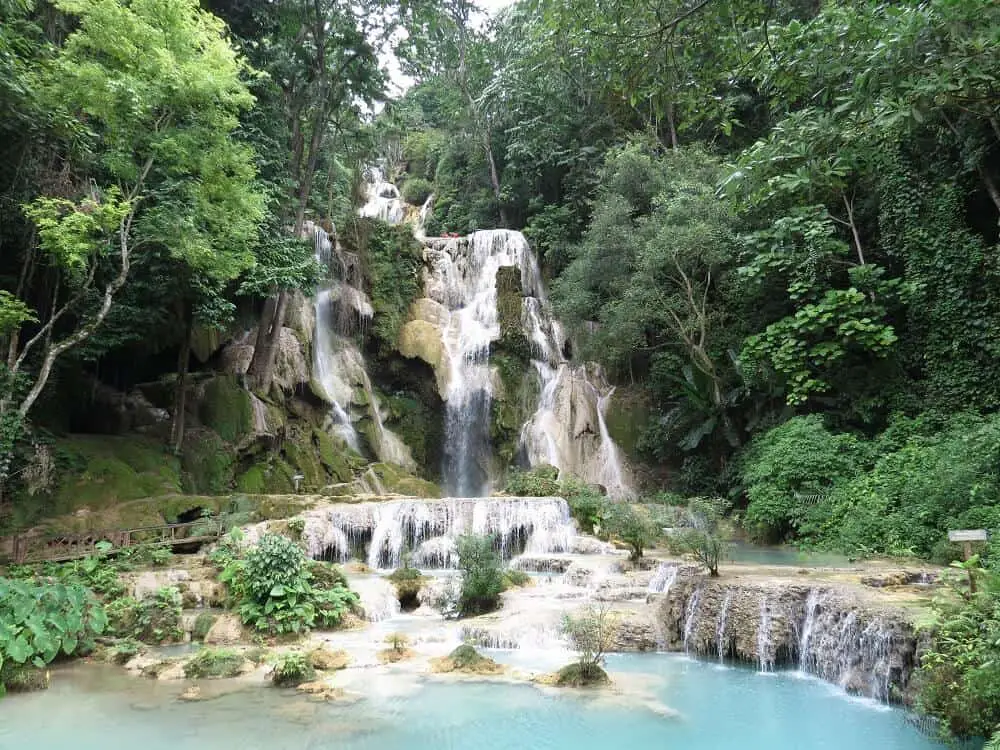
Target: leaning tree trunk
{"type": "Point", "coordinates": [265, 352]}
{"type": "Point", "coordinates": [180, 391]}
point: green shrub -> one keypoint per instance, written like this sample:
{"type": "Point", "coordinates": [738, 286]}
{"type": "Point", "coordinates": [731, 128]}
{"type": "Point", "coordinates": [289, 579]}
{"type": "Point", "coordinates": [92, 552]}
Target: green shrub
{"type": "Point", "coordinates": [416, 190]}
{"type": "Point", "coordinates": [959, 676]}
{"type": "Point", "coordinates": [482, 575]}
{"type": "Point", "coordinates": [790, 468]}
{"type": "Point", "coordinates": [539, 481]}
{"type": "Point", "coordinates": [161, 557]}
{"type": "Point", "coordinates": [159, 617]}
{"type": "Point", "coordinates": [586, 504]}
{"type": "Point", "coordinates": [591, 633]}
{"type": "Point", "coordinates": [326, 575]}
{"type": "Point", "coordinates": [580, 675]}
{"type": "Point", "coordinates": [408, 582]}
{"type": "Point", "coordinates": [124, 651]}
{"type": "Point", "coordinates": [702, 536]}
{"type": "Point", "coordinates": [632, 524]}
{"type": "Point", "coordinates": [292, 669]}
{"type": "Point", "coordinates": [214, 663]}
{"type": "Point", "coordinates": [272, 587]}
{"type": "Point", "coordinates": [39, 622]}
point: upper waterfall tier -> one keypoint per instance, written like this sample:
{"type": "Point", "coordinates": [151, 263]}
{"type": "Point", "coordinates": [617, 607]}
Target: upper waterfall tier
{"type": "Point", "coordinates": [567, 428]}
{"type": "Point", "coordinates": [382, 199]}
{"type": "Point", "coordinates": [339, 374]}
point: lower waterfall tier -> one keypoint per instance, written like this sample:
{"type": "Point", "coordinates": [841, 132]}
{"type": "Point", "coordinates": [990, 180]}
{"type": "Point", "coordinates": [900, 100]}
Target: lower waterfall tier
{"type": "Point", "coordinates": [824, 630]}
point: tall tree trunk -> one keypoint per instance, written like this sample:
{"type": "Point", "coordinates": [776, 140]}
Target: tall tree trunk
{"type": "Point", "coordinates": [180, 389]}
{"type": "Point", "coordinates": [261, 370]}
{"type": "Point", "coordinates": [495, 179]}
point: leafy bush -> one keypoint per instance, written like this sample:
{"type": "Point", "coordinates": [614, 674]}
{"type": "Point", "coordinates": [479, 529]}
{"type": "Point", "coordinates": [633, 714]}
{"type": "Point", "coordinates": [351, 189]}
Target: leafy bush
{"type": "Point", "coordinates": [586, 504]}
{"type": "Point", "coordinates": [416, 190]}
{"type": "Point", "coordinates": [212, 663]}
{"type": "Point", "coordinates": [272, 586]}
{"type": "Point", "coordinates": [408, 582]}
{"type": "Point", "coordinates": [960, 671]}
{"type": "Point", "coordinates": [161, 557]}
{"type": "Point", "coordinates": [632, 524]}
{"type": "Point", "coordinates": [482, 575]}
{"type": "Point", "coordinates": [154, 619]}
{"type": "Point", "coordinates": [790, 468]}
{"type": "Point", "coordinates": [39, 622]}
{"type": "Point", "coordinates": [292, 669]}
{"type": "Point", "coordinates": [540, 481]}
{"type": "Point", "coordinates": [702, 536]}
{"type": "Point", "coordinates": [911, 498]}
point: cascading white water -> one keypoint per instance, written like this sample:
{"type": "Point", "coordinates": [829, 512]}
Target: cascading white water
{"type": "Point", "coordinates": [382, 533]}
{"type": "Point", "coordinates": [664, 577]}
{"type": "Point", "coordinates": [691, 617]}
{"type": "Point", "coordinates": [812, 604]}
{"type": "Point", "coordinates": [764, 656]}
{"type": "Point", "coordinates": [720, 630]}
{"type": "Point", "coordinates": [463, 278]}
{"type": "Point", "coordinates": [382, 199]}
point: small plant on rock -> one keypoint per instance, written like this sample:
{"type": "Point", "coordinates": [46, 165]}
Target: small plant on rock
{"type": "Point", "coordinates": [592, 634]}
{"type": "Point", "coordinates": [291, 670]}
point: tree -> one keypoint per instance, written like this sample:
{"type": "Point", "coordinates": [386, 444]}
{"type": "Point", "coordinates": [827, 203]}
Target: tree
{"type": "Point", "coordinates": [321, 68]}
{"type": "Point", "coordinates": [702, 536]}
{"type": "Point", "coordinates": [632, 525]}
{"type": "Point", "coordinates": [155, 129]}
{"type": "Point", "coordinates": [591, 632]}
{"type": "Point", "coordinates": [482, 575]}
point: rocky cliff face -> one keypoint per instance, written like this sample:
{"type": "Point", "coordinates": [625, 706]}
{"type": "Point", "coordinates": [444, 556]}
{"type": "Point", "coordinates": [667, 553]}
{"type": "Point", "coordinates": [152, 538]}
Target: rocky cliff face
{"type": "Point", "coordinates": [825, 630]}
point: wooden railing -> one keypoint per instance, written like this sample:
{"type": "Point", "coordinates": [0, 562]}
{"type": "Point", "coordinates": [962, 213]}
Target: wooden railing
{"type": "Point", "coordinates": [29, 548]}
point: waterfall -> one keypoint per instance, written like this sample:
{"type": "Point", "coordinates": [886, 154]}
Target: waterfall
{"type": "Point", "coordinates": [812, 604]}
{"type": "Point", "coordinates": [663, 578]}
{"type": "Point", "coordinates": [382, 533]}
{"type": "Point", "coordinates": [691, 617]}
{"type": "Point", "coordinates": [720, 631]}
{"type": "Point", "coordinates": [464, 276]}
{"type": "Point", "coordinates": [766, 661]}
{"type": "Point", "coordinates": [382, 199]}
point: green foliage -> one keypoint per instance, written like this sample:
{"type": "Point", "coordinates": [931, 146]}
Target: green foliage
{"type": "Point", "coordinates": [482, 575]}
{"type": "Point", "coordinates": [632, 524]}
{"type": "Point", "coordinates": [154, 619]}
{"type": "Point", "coordinates": [292, 669]}
{"type": "Point", "coordinates": [214, 663]}
{"type": "Point", "coordinates": [272, 587]}
{"type": "Point", "coordinates": [790, 468]}
{"type": "Point", "coordinates": [591, 632]}
{"type": "Point", "coordinates": [539, 481]}
{"type": "Point", "coordinates": [38, 622]}
{"type": "Point", "coordinates": [703, 535]}
{"type": "Point", "coordinates": [960, 671]}
{"type": "Point", "coordinates": [416, 190]}
{"type": "Point", "coordinates": [515, 578]}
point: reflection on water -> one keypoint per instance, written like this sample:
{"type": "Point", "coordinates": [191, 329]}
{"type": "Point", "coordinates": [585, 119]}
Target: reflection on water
{"type": "Point", "coordinates": [100, 708]}
{"type": "Point", "coordinates": [756, 555]}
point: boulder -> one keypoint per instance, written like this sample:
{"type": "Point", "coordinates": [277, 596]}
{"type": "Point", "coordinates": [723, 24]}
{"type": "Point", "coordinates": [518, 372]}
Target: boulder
{"type": "Point", "coordinates": [225, 631]}
{"type": "Point", "coordinates": [328, 661]}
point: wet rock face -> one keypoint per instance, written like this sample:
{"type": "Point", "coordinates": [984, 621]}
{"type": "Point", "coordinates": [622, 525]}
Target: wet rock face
{"type": "Point", "coordinates": [825, 631]}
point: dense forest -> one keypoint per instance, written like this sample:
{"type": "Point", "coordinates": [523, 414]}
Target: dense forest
{"type": "Point", "coordinates": [775, 223]}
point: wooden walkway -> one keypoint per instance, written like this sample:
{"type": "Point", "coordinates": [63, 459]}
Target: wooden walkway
{"type": "Point", "coordinates": [31, 548]}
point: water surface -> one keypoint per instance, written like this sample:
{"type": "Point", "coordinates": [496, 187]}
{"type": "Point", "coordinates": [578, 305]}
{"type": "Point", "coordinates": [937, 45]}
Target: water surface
{"type": "Point", "coordinates": [100, 708]}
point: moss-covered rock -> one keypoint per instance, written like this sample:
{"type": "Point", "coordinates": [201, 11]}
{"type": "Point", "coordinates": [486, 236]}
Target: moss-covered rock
{"type": "Point", "coordinates": [397, 480]}
{"type": "Point", "coordinates": [627, 417]}
{"type": "Point", "coordinates": [18, 678]}
{"type": "Point", "coordinates": [334, 454]}
{"type": "Point", "coordinates": [215, 663]}
{"type": "Point", "coordinates": [98, 471]}
{"type": "Point", "coordinates": [580, 674]}
{"type": "Point", "coordinates": [227, 408]}
{"type": "Point", "coordinates": [202, 625]}
{"type": "Point", "coordinates": [207, 463]}
{"type": "Point", "coordinates": [467, 660]}
{"type": "Point", "coordinates": [328, 661]}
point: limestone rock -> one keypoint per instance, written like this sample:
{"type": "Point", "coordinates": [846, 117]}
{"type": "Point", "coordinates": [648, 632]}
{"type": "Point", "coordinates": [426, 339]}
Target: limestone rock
{"type": "Point", "coordinates": [291, 365]}
{"type": "Point", "coordinates": [328, 661]}
{"type": "Point", "coordinates": [320, 691]}
{"type": "Point", "coordinates": [226, 631]}
{"type": "Point", "coordinates": [191, 693]}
